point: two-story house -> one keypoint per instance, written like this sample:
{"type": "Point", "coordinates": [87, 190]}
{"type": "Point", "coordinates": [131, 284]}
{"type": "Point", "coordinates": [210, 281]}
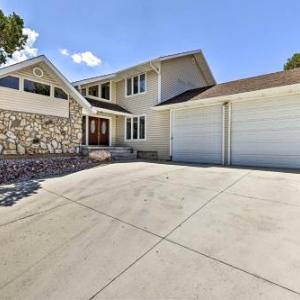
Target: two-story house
{"type": "Point", "coordinates": [166, 108]}
{"type": "Point", "coordinates": [124, 102]}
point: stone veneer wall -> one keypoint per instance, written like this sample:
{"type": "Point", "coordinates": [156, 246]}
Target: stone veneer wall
{"type": "Point", "coordinates": [26, 133]}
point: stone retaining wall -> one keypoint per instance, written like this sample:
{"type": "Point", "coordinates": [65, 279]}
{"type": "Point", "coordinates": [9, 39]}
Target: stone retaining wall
{"type": "Point", "coordinates": [25, 133]}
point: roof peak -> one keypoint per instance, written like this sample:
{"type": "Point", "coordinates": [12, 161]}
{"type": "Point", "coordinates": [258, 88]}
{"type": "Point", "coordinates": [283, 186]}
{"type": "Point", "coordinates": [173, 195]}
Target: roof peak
{"type": "Point", "coordinates": [160, 58]}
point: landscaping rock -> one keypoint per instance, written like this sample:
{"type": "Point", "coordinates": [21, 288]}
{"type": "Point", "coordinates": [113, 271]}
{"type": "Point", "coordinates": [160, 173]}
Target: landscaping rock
{"type": "Point", "coordinates": [38, 167]}
{"type": "Point", "coordinates": [100, 155]}
{"type": "Point", "coordinates": [20, 149]}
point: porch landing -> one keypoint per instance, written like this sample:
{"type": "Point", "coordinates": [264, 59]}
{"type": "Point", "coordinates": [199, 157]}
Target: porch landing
{"type": "Point", "coordinates": [117, 153]}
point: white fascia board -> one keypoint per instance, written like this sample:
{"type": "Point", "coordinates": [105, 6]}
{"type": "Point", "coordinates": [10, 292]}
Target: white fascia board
{"type": "Point", "coordinates": [260, 94]}
{"type": "Point", "coordinates": [94, 79]}
{"type": "Point", "coordinates": [112, 112]}
{"type": "Point", "coordinates": [21, 65]}
{"type": "Point", "coordinates": [172, 56]}
{"type": "Point", "coordinates": [80, 99]}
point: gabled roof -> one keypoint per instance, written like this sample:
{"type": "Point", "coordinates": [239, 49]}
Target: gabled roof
{"type": "Point", "coordinates": [106, 106]}
{"type": "Point", "coordinates": [43, 59]}
{"type": "Point", "coordinates": [267, 81]}
{"type": "Point", "coordinates": [148, 62]}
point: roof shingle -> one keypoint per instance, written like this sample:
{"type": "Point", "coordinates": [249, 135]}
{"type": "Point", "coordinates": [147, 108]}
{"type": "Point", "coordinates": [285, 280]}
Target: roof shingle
{"type": "Point", "coordinates": [106, 105]}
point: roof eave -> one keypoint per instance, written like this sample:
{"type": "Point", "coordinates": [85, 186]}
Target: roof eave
{"type": "Point", "coordinates": [292, 89]}
{"type": "Point", "coordinates": [113, 112]}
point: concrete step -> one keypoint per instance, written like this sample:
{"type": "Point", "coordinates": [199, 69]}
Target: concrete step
{"type": "Point", "coordinates": [131, 156]}
{"type": "Point", "coordinates": [122, 154]}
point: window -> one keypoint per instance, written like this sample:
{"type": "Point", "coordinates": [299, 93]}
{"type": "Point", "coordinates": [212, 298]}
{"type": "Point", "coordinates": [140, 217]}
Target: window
{"type": "Point", "coordinates": [36, 87]}
{"type": "Point", "coordinates": [142, 128]}
{"type": "Point", "coordinates": [128, 128]}
{"type": "Point", "coordinates": [60, 93]}
{"type": "Point", "coordinates": [83, 92]}
{"type": "Point", "coordinates": [136, 85]}
{"type": "Point", "coordinates": [105, 91]}
{"type": "Point", "coordinates": [129, 90]}
{"type": "Point", "coordinates": [142, 83]}
{"type": "Point", "coordinates": [135, 128]}
{"type": "Point", "coordinates": [94, 91]}
{"type": "Point", "coordinates": [10, 82]}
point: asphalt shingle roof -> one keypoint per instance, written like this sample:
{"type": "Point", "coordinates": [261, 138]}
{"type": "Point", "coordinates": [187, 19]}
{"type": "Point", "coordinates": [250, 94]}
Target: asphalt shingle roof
{"type": "Point", "coordinates": [107, 105]}
{"type": "Point", "coordinates": [266, 81]}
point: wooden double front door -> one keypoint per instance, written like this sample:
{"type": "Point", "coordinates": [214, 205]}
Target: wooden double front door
{"type": "Point", "coordinates": [98, 131]}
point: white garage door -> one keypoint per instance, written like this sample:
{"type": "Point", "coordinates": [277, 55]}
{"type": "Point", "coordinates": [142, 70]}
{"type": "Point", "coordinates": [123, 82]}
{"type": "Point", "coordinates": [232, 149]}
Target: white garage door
{"type": "Point", "coordinates": [197, 135]}
{"type": "Point", "coordinates": [266, 133]}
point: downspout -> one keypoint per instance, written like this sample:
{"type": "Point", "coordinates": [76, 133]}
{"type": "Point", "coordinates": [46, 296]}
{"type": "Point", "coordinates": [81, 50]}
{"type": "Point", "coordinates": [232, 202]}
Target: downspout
{"type": "Point", "coordinates": [229, 132]}
{"type": "Point", "coordinates": [158, 72]}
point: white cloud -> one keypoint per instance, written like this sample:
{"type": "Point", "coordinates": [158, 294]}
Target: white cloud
{"type": "Point", "coordinates": [86, 57]}
{"type": "Point", "coordinates": [64, 52]}
{"type": "Point", "coordinates": [29, 51]}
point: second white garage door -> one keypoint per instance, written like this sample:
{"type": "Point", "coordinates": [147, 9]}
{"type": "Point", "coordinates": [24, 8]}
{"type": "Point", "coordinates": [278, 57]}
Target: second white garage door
{"type": "Point", "coordinates": [197, 135]}
{"type": "Point", "coordinates": [266, 133]}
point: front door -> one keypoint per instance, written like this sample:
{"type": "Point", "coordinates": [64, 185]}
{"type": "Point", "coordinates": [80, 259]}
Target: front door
{"type": "Point", "coordinates": [98, 131]}
{"type": "Point", "coordinates": [104, 131]}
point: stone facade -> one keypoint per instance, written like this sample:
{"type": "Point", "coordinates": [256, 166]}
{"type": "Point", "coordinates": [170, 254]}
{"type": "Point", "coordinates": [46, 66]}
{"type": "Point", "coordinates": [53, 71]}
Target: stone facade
{"type": "Point", "coordinates": [26, 133]}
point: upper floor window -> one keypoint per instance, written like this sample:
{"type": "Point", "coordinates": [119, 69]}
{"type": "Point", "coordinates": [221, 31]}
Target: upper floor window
{"type": "Point", "coordinates": [60, 93]}
{"type": "Point", "coordinates": [36, 87]}
{"type": "Point", "coordinates": [105, 91]}
{"type": "Point", "coordinates": [136, 85]}
{"type": "Point", "coordinates": [10, 82]}
{"type": "Point", "coordinates": [94, 91]}
{"type": "Point", "coordinates": [83, 91]}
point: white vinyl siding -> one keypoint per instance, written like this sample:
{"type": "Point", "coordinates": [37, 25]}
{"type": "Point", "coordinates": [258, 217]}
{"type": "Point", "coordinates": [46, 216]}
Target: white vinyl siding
{"type": "Point", "coordinates": [19, 100]}
{"type": "Point", "coordinates": [157, 123]}
{"type": "Point", "coordinates": [16, 100]}
{"type": "Point", "coordinates": [197, 134]}
{"type": "Point", "coordinates": [180, 75]}
{"type": "Point", "coordinates": [266, 132]}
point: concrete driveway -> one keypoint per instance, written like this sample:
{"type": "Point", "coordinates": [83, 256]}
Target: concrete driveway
{"type": "Point", "coordinates": [152, 231]}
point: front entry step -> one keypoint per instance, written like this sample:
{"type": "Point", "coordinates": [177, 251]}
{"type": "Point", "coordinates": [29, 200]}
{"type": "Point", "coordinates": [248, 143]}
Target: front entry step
{"type": "Point", "coordinates": [117, 153]}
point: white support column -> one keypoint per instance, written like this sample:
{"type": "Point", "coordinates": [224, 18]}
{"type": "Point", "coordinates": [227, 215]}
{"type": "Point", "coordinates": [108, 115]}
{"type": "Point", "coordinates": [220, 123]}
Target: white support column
{"type": "Point", "coordinates": [86, 130]}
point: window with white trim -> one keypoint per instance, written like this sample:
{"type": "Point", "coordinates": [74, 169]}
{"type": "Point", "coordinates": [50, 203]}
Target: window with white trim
{"type": "Point", "coordinates": [101, 91]}
{"type": "Point", "coordinates": [135, 128]}
{"type": "Point", "coordinates": [60, 93]}
{"type": "Point", "coordinates": [10, 82]}
{"type": "Point", "coordinates": [135, 85]}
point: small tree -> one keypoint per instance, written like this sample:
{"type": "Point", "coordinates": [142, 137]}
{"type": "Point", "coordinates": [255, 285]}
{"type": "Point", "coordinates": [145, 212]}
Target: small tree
{"type": "Point", "coordinates": [293, 62]}
{"type": "Point", "coordinates": [11, 35]}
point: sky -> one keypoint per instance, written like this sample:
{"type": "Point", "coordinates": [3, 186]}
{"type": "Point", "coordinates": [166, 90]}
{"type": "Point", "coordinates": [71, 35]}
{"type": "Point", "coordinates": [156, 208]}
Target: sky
{"type": "Point", "coordinates": [90, 38]}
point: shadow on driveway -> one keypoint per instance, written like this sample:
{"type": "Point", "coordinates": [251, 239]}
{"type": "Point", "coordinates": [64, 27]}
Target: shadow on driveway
{"type": "Point", "coordinates": [10, 195]}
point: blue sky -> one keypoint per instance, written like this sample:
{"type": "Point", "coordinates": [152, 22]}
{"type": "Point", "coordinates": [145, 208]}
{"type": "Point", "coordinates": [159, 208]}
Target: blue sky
{"type": "Point", "coordinates": [239, 38]}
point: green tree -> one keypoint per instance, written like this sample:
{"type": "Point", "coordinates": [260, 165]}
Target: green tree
{"type": "Point", "coordinates": [293, 62]}
{"type": "Point", "coordinates": [11, 35]}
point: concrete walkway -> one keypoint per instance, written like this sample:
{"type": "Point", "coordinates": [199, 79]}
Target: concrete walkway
{"type": "Point", "coordinates": [152, 231]}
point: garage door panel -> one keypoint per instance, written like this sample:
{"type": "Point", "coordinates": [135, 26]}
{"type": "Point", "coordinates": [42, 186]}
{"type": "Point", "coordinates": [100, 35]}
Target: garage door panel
{"type": "Point", "coordinates": [278, 161]}
{"type": "Point", "coordinates": [266, 132]}
{"type": "Point", "coordinates": [197, 135]}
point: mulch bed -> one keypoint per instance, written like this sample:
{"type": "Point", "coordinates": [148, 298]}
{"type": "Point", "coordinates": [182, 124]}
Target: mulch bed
{"type": "Point", "coordinates": [19, 169]}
